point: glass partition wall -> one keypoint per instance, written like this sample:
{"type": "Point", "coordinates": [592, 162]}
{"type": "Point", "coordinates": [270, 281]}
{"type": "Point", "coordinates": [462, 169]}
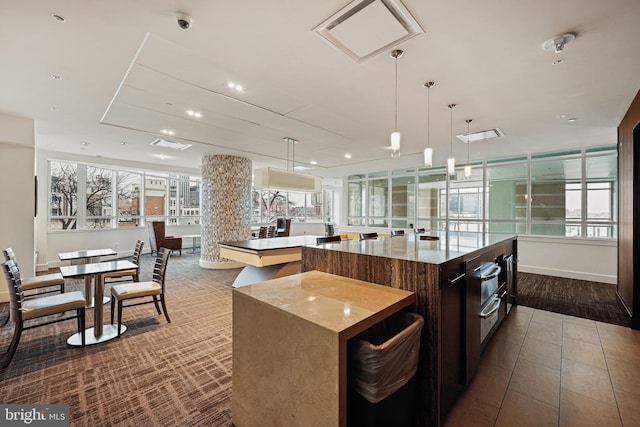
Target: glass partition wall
{"type": "Point", "coordinates": [564, 193]}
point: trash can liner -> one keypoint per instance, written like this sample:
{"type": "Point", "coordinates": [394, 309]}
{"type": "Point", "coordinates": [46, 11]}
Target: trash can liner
{"type": "Point", "coordinates": [383, 358]}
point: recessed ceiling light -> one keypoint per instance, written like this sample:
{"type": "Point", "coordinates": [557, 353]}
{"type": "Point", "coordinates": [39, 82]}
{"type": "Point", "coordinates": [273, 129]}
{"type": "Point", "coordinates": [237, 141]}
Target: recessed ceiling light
{"type": "Point", "coordinates": [168, 132]}
{"type": "Point", "coordinates": [557, 62]}
{"type": "Point", "coordinates": [84, 144]}
{"type": "Point", "coordinates": [124, 143]}
{"type": "Point", "coordinates": [347, 156]}
{"type": "Point", "coordinates": [562, 116]}
{"type": "Point", "coordinates": [57, 17]}
{"type": "Point", "coordinates": [56, 77]}
{"type": "Point", "coordinates": [192, 113]}
{"type": "Point", "coordinates": [236, 86]}
{"type": "Point", "coordinates": [572, 119]}
{"type": "Point", "coordinates": [53, 108]}
{"type": "Point", "coordinates": [313, 162]}
{"type": "Point", "coordinates": [301, 168]}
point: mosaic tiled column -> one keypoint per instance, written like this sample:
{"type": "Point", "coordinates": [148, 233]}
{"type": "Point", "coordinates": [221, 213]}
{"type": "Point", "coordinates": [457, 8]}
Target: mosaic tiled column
{"type": "Point", "coordinates": [226, 206]}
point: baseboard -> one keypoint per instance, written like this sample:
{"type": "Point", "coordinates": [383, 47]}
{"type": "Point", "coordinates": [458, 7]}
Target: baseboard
{"type": "Point", "coordinates": [578, 275]}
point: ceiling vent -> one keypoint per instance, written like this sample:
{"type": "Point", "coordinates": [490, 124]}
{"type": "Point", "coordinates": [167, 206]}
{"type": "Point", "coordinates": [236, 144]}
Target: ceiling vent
{"type": "Point", "coordinates": [170, 144]}
{"type": "Point", "coordinates": [480, 135]}
{"type": "Point", "coordinates": [366, 28]}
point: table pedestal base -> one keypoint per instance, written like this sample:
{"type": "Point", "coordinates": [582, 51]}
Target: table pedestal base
{"type": "Point", "coordinates": [105, 301]}
{"type": "Point", "coordinates": [252, 274]}
{"type": "Point", "coordinates": [109, 332]}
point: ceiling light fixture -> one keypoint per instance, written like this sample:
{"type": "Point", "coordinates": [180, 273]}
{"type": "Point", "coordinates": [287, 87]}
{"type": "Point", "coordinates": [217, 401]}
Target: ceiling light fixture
{"type": "Point", "coordinates": [56, 77]}
{"type": "Point", "coordinates": [347, 155]}
{"type": "Point", "coordinates": [271, 178]}
{"type": "Point", "coordinates": [428, 152]}
{"type": "Point", "coordinates": [168, 132]}
{"type": "Point", "coordinates": [467, 168]}
{"type": "Point", "coordinates": [558, 43]}
{"type": "Point", "coordinates": [236, 86]}
{"type": "Point", "coordinates": [313, 162]}
{"type": "Point", "coordinates": [451, 162]}
{"type": "Point", "coordinates": [395, 135]}
{"type": "Point", "coordinates": [194, 114]}
{"type": "Point", "coordinates": [571, 120]}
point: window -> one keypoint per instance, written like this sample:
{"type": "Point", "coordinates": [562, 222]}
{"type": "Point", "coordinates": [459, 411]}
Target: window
{"type": "Point", "coordinates": [63, 199]}
{"type": "Point", "coordinates": [128, 208]}
{"type": "Point", "coordinates": [99, 197]}
{"type": "Point", "coordinates": [561, 193]}
{"type": "Point", "coordinates": [84, 196]}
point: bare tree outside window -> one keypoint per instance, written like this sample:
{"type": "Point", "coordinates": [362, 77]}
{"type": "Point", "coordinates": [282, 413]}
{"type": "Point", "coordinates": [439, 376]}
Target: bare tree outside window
{"type": "Point", "coordinates": [99, 194]}
{"type": "Point", "coordinates": [64, 196]}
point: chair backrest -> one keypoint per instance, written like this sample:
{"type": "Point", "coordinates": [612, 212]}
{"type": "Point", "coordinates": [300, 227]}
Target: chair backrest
{"type": "Point", "coordinates": [262, 233]}
{"type": "Point", "coordinates": [280, 224]}
{"type": "Point", "coordinates": [160, 266]}
{"type": "Point", "coordinates": [419, 230]}
{"type": "Point", "coordinates": [329, 230]}
{"type": "Point", "coordinates": [397, 233]}
{"type": "Point", "coordinates": [271, 231]}
{"type": "Point", "coordinates": [367, 236]}
{"type": "Point", "coordinates": [9, 255]}
{"type": "Point", "coordinates": [283, 227]}
{"type": "Point", "coordinates": [137, 251]}
{"type": "Point", "coordinates": [328, 239]}
{"type": "Point", "coordinates": [14, 283]}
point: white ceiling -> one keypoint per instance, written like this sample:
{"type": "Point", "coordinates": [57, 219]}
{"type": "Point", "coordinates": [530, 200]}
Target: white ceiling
{"type": "Point", "coordinates": [128, 71]}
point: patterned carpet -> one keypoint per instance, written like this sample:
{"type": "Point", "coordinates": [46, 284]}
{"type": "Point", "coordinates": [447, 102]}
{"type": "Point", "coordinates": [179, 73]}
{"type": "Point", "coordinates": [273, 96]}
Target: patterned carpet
{"type": "Point", "coordinates": [580, 298]}
{"type": "Point", "coordinates": [157, 374]}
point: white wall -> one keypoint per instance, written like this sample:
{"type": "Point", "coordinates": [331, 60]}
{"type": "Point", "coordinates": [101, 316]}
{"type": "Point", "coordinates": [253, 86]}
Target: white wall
{"type": "Point", "coordinates": [17, 167]}
{"type": "Point", "coordinates": [585, 259]}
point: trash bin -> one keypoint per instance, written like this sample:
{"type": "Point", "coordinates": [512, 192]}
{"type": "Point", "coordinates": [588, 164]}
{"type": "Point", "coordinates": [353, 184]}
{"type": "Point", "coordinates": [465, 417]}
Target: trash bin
{"type": "Point", "coordinates": [382, 364]}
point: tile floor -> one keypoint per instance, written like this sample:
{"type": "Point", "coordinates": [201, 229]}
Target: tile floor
{"type": "Point", "coordinates": [548, 369]}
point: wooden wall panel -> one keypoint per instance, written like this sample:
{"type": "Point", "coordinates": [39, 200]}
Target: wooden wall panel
{"type": "Point", "coordinates": [629, 212]}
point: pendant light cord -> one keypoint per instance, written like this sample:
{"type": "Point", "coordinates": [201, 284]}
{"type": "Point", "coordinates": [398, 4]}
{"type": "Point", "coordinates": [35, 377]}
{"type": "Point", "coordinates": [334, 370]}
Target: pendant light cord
{"type": "Point", "coordinates": [396, 106]}
{"type": "Point", "coordinates": [429, 116]}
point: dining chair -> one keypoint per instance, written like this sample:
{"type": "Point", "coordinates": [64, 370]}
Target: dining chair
{"type": "Point", "coordinates": [329, 230]}
{"type": "Point", "coordinates": [271, 231]}
{"type": "Point", "coordinates": [328, 239]}
{"type": "Point", "coordinates": [283, 227]}
{"type": "Point", "coordinates": [134, 273]}
{"type": "Point", "coordinates": [22, 310]}
{"type": "Point", "coordinates": [262, 233]}
{"type": "Point", "coordinates": [419, 230]}
{"type": "Point", "coordinates": [368, 236]}
{"type": "Point", "coordinates": [153, 288]}
{"type": "Point", "coordinates": [397, 233]}
{"type": "Point", "coordinates": [37, 282]}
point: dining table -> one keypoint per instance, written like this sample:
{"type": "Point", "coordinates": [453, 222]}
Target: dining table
{"type": "Point", "coordinates": [99, 332]}
{"type": "Point", "coordinates": [86, 257]}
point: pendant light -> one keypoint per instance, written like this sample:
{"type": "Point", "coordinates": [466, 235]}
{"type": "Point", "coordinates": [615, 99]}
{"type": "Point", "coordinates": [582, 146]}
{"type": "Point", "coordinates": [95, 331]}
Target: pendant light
{"type": "Point", "coordinates": [451, 162]}
{"type": "Point", "coordinates": [467, 168]}
{"type": "Point", "coordinates": [395, 135]}
{"type": "Point", "coordinates": [428, 152]}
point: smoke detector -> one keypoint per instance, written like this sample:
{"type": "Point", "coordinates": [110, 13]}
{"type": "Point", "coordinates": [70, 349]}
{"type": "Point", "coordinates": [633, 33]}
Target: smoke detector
{"type": "Point", "coordinates": [558, 43]}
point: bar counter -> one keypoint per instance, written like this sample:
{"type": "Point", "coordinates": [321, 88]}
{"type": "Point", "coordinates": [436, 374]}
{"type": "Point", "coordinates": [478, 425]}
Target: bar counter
{"type": "Point", "coordinates": [435, 271]}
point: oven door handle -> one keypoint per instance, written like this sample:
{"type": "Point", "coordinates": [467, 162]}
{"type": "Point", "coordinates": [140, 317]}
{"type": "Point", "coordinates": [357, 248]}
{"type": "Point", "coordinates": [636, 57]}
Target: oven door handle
{"type": "Point", "coordinates": [494, 307]}
{"type": "Point", "coordinates": [496, 270]}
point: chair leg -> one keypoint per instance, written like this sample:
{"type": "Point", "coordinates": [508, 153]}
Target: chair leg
{"type": "Point", "coordinates": [155, 301]}
{"type": "Point", "coordinates": [113, 301]}
{"type": "Point", "coordinates": [119, 316]}
{"type": "Point", "coordinates": [17, 332]}
{"type": "Point", "coordinates": [164, 307]}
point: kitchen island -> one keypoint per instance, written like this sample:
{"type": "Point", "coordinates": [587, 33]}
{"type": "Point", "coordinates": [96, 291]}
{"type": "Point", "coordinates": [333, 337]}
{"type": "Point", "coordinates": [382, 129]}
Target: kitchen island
{"type": "Point", "coordinates": [445, 275]}
{"type": "Point", "coordinates": [290, 346]}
